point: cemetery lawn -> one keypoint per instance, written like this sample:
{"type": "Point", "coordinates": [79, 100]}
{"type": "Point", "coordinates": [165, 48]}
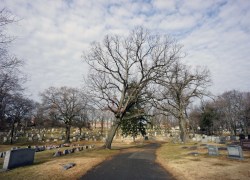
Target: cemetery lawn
{"type": "Point", "coordinates": [182, 161]}
{"type": "Point", "coordinates": [48, 167]}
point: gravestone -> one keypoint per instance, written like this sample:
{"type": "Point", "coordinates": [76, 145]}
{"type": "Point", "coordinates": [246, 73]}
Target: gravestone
{"type": "Point", "coordinates": [235, 152]}
{"type": "Point", "coordinates": [4, 154]}
{"type": "Point", "coordinates": [1, 154]}
{"type": "Point", "coordinates": [42, 148]}
{"type": "Point", "coordinates": [212, 150]}
{"type": "Point", "coordinates": [18, 157]}
{"type": "Point", "coordinates": [198, 138]}
{"type": "Point", "coordinates": [35, 138]}
{"type": "Point", "coordinates": [222, 140]}
{"type": "Point", "coordinates": [217, 139]}
{"type": "Point", "coordinates": [204, 140]}
{"type": "Point", "coordinates": [232, 138]}
{"type": "Point", "coordinates": [245, 144]}
{"type": "Point", "coordinates": [5, 139]}
{"type": "Point", "coordinates": [68, 166]}
{"type": "Point", "coordinates": [66, 151]}
{"type": "Point", "coordinates": [242, 136]}
{"type": "Point", "coordinates": [212, 138]}
{"type": "Point", "coordinates": [58, 153]}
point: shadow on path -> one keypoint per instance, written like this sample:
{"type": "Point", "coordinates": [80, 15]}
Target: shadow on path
{"type": "Point", "coordinates": [139, 164]}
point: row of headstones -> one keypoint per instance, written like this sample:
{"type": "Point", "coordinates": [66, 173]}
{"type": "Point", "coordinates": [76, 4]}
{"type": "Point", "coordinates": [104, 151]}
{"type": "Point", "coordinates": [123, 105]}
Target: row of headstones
{"type": "Point", "coordinates": [216, 139]}
{"type": "Point", "coordinates": [47, 147]}
{"type": "Point", "coordinates": [45, 135]}
{"type": "Point", "coordinates": [32, 139]}
{"type": "Point", "coordinates": [75, 149]}
{"type": "Point", "coordinates": [234, 151]}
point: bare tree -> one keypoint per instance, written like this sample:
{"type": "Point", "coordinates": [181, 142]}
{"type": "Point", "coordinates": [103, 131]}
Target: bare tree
{"type": "Point", "coordinates": [246, 113]}
{"type": "Point", "coordinates": [176, 90]}
{"type": "Point", "coordinates": [10, 76]}
{"type": "Point", "coordinates": [233, 104]}
{"type": "Point", "coordinates": [119, 62]}
{"type": "Point", "coordinates": [65, 104]}
{"type": "Point", "coordinates": [82, 120]}
{"type": "Point", "coordinates": [194, 119]}
{"type": "Point", "coordinates": [18, 108]}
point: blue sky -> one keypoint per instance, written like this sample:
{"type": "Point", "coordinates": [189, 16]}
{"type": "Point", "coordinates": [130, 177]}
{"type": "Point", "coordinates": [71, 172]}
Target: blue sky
{"type": "Point", "coordinates": [51, 36]}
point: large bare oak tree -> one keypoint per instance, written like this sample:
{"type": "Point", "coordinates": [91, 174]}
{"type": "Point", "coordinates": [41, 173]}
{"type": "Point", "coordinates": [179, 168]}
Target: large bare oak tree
{"type": "Point", "coordinates": [119, 61]}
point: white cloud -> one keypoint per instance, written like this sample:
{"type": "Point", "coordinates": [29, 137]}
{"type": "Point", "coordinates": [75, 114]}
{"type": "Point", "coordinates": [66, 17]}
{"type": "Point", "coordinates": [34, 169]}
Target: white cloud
{"type": "Point", "coordinates": [53, 34]}
{"type": "Point", "coordinates": [165, 5]}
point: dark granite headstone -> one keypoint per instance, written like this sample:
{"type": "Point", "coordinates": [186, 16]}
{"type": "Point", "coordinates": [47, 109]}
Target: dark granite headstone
{"type": "Point", "coordinates": [242, 136]}
{"type": "Point", "coordinates": [232, 138]}
{"type": "Point", "coordinates": [66, 151]}
{"type": "Point", "coordinates": [222, 140]}
{"type": "Point", "coordinates": [18, 157]}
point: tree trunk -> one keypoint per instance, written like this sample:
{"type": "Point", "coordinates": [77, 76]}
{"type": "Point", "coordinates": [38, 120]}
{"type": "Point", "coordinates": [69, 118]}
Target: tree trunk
{"type": "Point", "coordinates": [80, 129]}
{"type": "Point", "coordinates": [111, 135]}
{"type": "Point", "coordinates": [182, 124]}
{"type": "Point", "coordinates": [67, 132]}
{"type": "Point", "coordinates": [12, 133]}
{"type": "Point", "coordinates": [235, 130]}
{"type": "Point", "coordinates": [102, 125]}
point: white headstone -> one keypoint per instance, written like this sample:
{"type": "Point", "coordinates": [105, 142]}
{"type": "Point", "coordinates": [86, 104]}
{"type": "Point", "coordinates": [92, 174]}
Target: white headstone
{"type": "Point", "coordinates": [212, 150]}
{"type": "Point", "coordinates": [235, 152]}
{"type": "Point", "coordinates": [5, 139]}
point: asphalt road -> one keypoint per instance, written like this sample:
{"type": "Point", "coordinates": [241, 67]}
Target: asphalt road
{"type": "Point", "coordinates": [136, 165]}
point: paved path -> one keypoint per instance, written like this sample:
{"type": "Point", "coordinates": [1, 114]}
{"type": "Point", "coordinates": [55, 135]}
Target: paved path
{"type": "Point", "coordinates": [136, 165]}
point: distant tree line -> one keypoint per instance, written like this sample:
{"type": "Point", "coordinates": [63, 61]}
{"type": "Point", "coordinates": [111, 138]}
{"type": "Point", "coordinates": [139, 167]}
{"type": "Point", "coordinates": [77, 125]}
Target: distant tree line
{"type": "Point", "coordinates": [228, 112]}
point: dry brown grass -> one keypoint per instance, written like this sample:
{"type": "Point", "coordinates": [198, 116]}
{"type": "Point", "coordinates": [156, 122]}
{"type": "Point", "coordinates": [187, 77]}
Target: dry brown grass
{"type": "Point", "coordinates": [185, 166]}
{"type": "Point", "coordinates": [48, 167]}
